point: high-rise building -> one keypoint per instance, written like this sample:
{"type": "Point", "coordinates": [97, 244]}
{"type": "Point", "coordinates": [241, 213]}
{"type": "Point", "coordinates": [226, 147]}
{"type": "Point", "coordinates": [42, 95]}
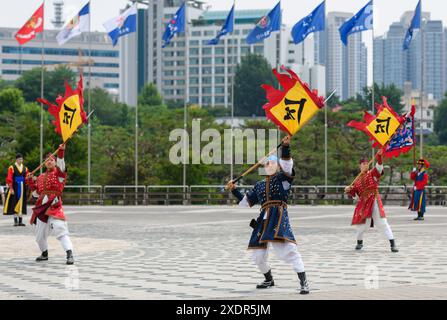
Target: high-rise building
{"type": "Point", "coordinates": [393, 65]}
{"type": "Point", "coordinates": [346, 66]}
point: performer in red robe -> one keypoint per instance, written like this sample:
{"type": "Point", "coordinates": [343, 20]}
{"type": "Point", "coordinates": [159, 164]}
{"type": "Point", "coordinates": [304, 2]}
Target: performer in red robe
{"type": "Point", "coordinates": [48, 214]}
{"type": "Point", "coordinates": [369, 208]}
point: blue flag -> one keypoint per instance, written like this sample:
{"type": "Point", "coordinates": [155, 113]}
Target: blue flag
{"type": "Point", "coordinates": [226, 28]}
{"type": "Point", "coordinates": [415, 24]}
{"type": "Point", "coordinates": [177, 24]}
{"type": "Point", "coordinates": [124, 24]}
{"type": "Point", "coordinates": [362, 21]}
{"type": "Point", "coordinates": [312, 23]}
{"type": "Point", "coordinates": [265, 26]}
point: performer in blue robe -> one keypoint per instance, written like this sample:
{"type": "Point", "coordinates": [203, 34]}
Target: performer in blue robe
{"type": "Point", "coordinates": [272, 227]}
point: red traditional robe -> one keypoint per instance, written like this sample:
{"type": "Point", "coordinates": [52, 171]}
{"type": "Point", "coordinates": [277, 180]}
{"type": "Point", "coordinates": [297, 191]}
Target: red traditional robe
{"type": "Point", "coordinates": [49, 187]}
{"type": "Point", "coordinates": [367, 189]}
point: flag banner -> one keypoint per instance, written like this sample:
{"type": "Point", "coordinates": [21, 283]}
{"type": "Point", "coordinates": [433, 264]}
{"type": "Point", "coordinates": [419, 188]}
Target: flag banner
{"type": "Point", "coordinates": [78, 24]}
{"type": "Point", "coordinates": [122, 25]}
{"type": "Point", "coordinates": [291, 108]}
{"type": "Point", "coordinates": [33, 26]}
{"type": "Point", "coordinates": [362, 21]}
{"type": "Point", "coordinates": [175, 25]}
{"type": "Point", "coordinates": [312, 23]}
{"type": "Point", "coordinates": [380, 127]}
{"type": "Point", "coordinates": [69, 112]}
{"type": "Point", "coordinates": [269, 23]}
{"type": "Point", "coordinates": [415, 24]}
{"type": "Point", "coordinates": [404, 139]}
{"type": "Point", "coordinates": [226, 28]}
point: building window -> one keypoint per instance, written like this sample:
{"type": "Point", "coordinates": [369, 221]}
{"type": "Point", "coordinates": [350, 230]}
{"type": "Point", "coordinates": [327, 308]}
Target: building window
{"type": "Point", "coordinates": [111, 85]}
{"type": "Point", "coordinates": [194, 42]}
{"type": "Point", "coordinates": [209, 33]}
{"type": "Point", "coordinates": [206, 51]}
{"type": "Point", "coordinates": [219, 60]}
{"type": "Point", "coordinates": [194, 70]}
{"type": "Point", "coordinates": [206, 61]}
{"type": "Point", "coordinates": [194, 51]}
{"type": "Point", "coordinates": [219, 90]}
{"type": "Point", "coordinates": [219, 70]}
{"type": "Point", "coordinates": [219, 80]}
{"type": "Point", "coordinates": [206, 80]}
{"type": "Point", "coordinates": [219, 100]}
{"type": "Point", "coordinates": [207, 70]}
{"type": "Point", "coordinates": [219, 50]}
{"type": "Point", "coordinates": [196, 33]}
{"type": "Point", "coordinates": [206, 90]}
{"type": "Point", "coordinates": [194, 90]}
{"type": "Point", "coordinates": [194, 80]}
{"type": "Point", "coordinates": [180, 82]}
{"type": "Point", "coordinates": [259, 49]}
{"type": "Point", "coordinates": [194, 61]}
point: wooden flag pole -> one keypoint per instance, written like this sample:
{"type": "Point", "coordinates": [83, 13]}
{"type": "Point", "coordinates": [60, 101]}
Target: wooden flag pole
{"type": "Point", "coordinates": [54, 153]}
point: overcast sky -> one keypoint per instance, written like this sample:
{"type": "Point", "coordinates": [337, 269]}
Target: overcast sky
{"type": "Point", "coordinates": [15, 12]}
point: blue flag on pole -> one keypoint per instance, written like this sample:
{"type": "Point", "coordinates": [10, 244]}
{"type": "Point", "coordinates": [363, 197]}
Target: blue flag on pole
{"type": "Point", "coordinates": [415, 24]}
{"type": "Point", "coordinates": [175, 25]}
{"type": "Point", "coordinates": [226, 28]}
{"type": "Point", "coordinates": [265, 26]}
{"type": "Point", "coordinates": [124, 24]}
{"type": "Point", "coordinates": [312, 23]}
{"type": "Point", "coordinates": [362, 21]}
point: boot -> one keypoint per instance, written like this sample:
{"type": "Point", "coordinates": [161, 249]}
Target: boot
{"type": "Point", "coordinates": [303, 282]}
{"type": "Point", "coordinates": [21, 222]}
{"type": "Point", "coordinates": [422, 216]}
{"type": "Point", "coordinates": [16, 221]}
{"type": "Point", "coordinates": [268, 282]}
{"type": "Point", "coordinates": [70, 259]}
{"type": "Point", "coordinates": [393, 246]}
{"type": "Point", "coordinates": [418, 217]}
{"type": "Point", "coordinates": [359, 245]}
{"type": "Point", "coordinates": [43, 256]}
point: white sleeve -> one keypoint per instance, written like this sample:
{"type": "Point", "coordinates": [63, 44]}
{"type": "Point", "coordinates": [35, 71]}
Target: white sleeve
{"type": "Point", "coordinates": [286, 165]}
{"type": "Point", "coordinates": [379, 167]}
{"type": "Point", "coordinates": [61, 164]}
{"type": "Point", "coordinates": [244, 202]}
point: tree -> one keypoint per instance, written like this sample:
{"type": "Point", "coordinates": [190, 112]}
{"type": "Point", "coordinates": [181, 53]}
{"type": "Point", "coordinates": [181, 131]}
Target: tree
{"type": "Point", "coordinates": [54, 82]}
{"type": "Point", "coordinates": [439, 121]}
{"type": "Point", "coordinates": [149, 96]}
{"type": "Point", "coordinates": [11, 99]}
{"type": "Point", "coordinates": [249, 97]}
{"type": "Point", "coordinates": [107, 111]}
{"type": "Point", "coordinates": [393, 94]}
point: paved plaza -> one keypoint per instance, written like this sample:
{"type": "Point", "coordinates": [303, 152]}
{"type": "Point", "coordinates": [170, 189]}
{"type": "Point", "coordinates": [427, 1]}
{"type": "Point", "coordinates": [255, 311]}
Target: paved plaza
{"type": "Point", "coordinates": [199, 252]}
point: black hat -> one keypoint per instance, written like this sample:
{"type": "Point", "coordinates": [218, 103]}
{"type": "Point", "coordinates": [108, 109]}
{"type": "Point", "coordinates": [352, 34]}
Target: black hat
{"type": "Point", "coordinates": [19, 155]}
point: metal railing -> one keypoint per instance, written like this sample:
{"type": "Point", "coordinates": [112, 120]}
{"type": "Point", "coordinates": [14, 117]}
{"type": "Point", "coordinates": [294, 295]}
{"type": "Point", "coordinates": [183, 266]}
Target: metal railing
{"type": "Point", "coordinates": [216, 195]}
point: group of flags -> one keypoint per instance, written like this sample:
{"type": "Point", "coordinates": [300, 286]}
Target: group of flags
{"type": "Point", "coordinates": [121, 25]}
{"type": "Point", "coordinates": [314, 22]}
{"type": "Point", "coordinates": [126, 23]}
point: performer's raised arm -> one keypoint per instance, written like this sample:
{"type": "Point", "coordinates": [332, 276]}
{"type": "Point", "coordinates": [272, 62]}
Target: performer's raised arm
{"type": "Point", "coordinates": [60, 162]}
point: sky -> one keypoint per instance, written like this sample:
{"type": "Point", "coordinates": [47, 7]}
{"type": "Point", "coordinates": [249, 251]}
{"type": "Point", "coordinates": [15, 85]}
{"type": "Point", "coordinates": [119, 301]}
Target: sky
{"type": "Point", "coordinates": [15, 13]}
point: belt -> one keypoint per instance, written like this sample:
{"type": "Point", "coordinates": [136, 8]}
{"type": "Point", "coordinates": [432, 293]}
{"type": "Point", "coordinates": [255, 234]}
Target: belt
{"type": "Point", "coordinates": [368, 193]}
{"type": "Point", "coordinates": [49, 193]}
{"type": "Point", "coordinates": [273, 203]}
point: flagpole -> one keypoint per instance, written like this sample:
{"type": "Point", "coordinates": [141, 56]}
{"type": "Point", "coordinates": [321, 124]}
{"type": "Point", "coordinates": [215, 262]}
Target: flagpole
{"type": "Point", "coordinates": [136, 112]}
{"type": "Point", "coordinates": [234, 63]}
{"type": "Point", "coordinates": [42, 90]}
{"type": "Point", "coordinates": [422, 88]}
{"type": "Point", "coordinates": [89, 137]}
{"type": "Point", "coordinates": [372, 86]}
{"type": "Point", "coordinates": [185, 101]}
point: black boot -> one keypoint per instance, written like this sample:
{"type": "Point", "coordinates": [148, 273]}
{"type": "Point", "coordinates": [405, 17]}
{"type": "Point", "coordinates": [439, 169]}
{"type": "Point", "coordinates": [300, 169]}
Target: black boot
{"type": "Point", "coordinates": [359, 245]}
{"type": "Point", "coordinates": [422, 216]}
{"type": "Point", "coordinates": [303, 282]}
{"type": "Point", "coordinates": [393, 246]}
{"type": "Point", "coordinates": [43, 256]}
{"type": "Point", "coordinates": [268, 282]}
{"type": "Point", "coordinates": [16, 221]}
{"type": "Point", "coordinates": [70, 259]}
{"type": "Point", "coordinates": [418, 217]}
{"type": "Point", "coordinates": [21, 222]}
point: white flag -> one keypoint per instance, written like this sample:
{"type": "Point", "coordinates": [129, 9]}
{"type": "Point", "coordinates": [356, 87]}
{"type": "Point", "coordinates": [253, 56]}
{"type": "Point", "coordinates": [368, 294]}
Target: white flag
{"type": "Point", "coordinates": [78, 24]}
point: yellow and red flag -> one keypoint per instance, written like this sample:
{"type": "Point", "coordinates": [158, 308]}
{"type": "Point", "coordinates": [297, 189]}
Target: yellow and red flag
{"type": "Point", "coordinates": [291, 108]}
{"type": "Point", "coordinates": [69, 112]}
{"type": "Point", "coordinates": [380, 127]}
{"type": "Point", "coordinates": [33, 26]}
